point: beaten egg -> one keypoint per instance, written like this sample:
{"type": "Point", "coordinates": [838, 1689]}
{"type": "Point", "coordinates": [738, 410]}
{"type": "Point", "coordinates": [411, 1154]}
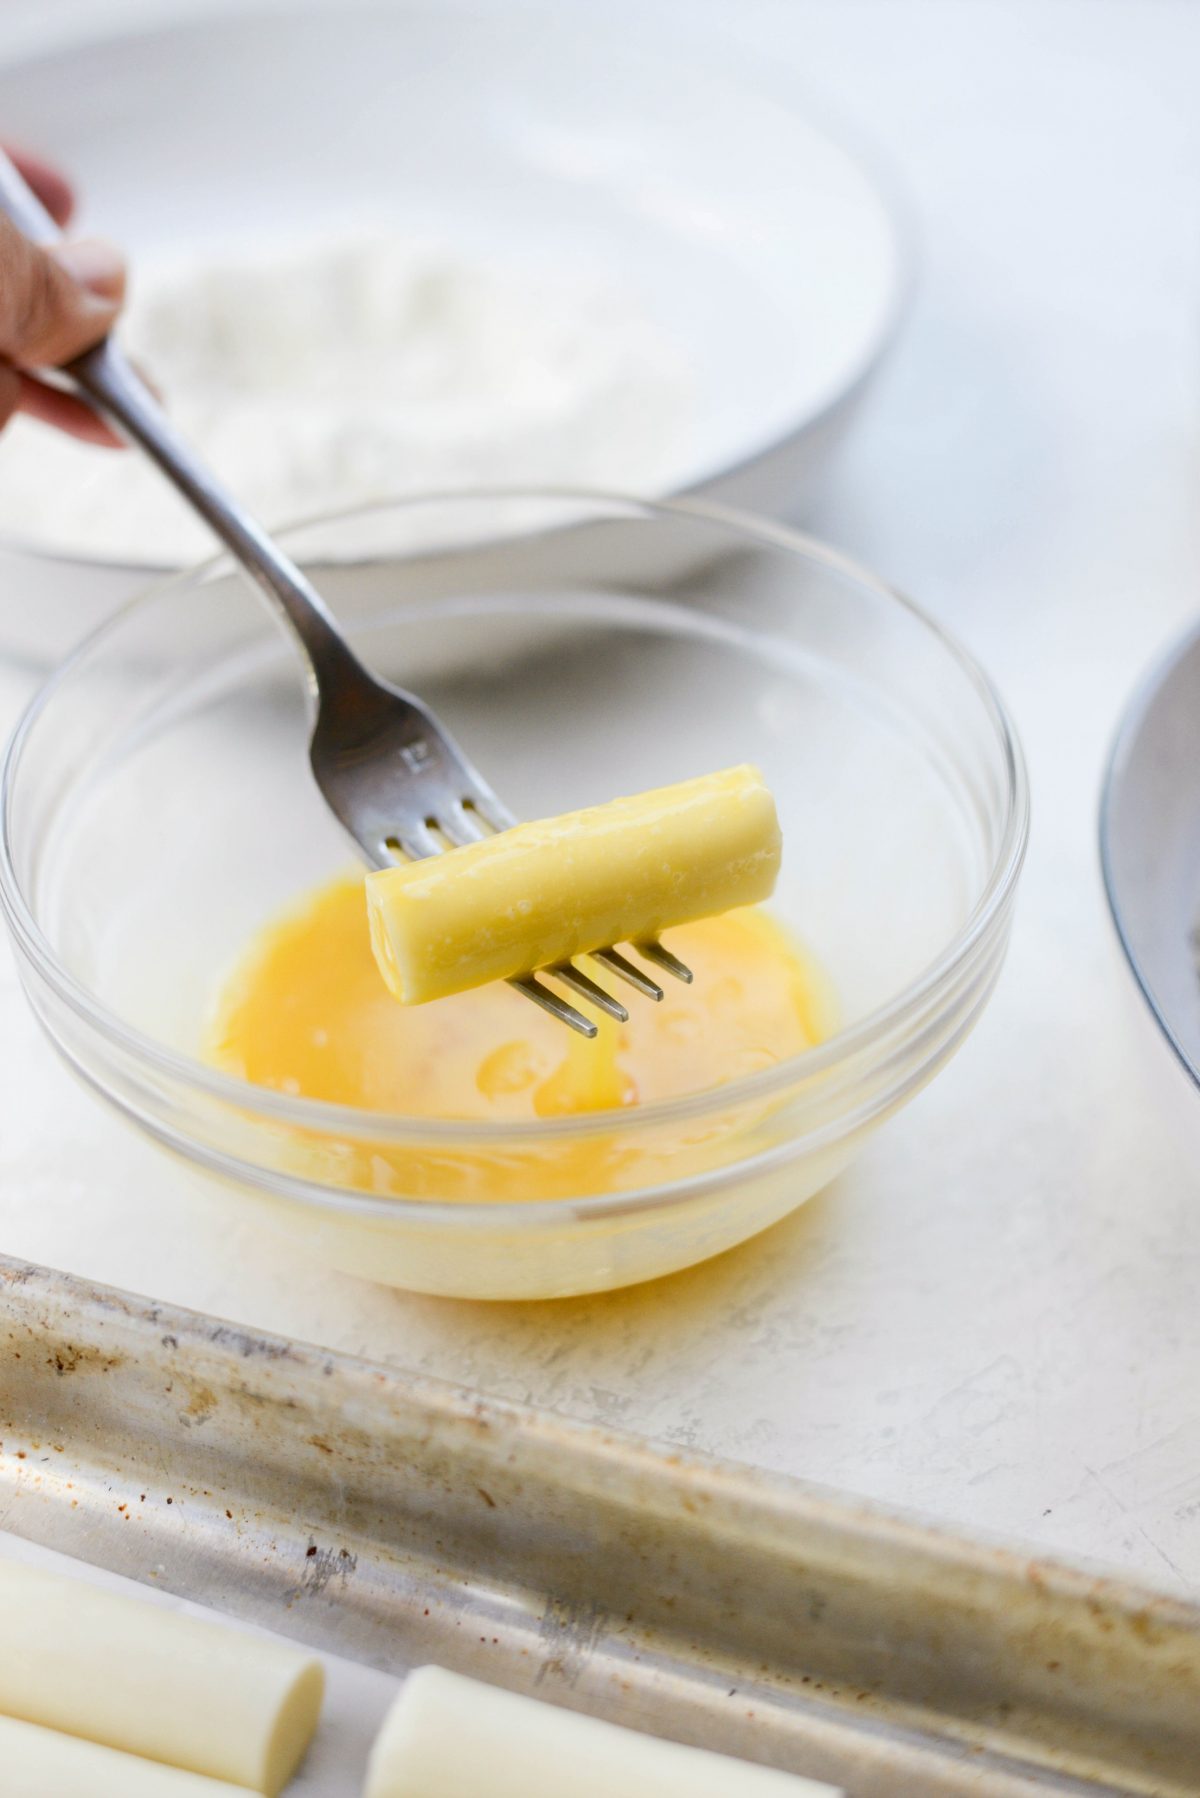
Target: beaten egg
{"type": "Point", "coordinates": [306, 1013]}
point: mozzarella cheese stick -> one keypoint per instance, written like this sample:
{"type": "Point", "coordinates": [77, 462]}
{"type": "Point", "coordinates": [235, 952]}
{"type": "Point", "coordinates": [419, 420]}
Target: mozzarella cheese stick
{"type": "Point", "coordinates": [451, 1737]}
{"type": "Point", "coordinates": [40, 1763]}
{"type": "Point", "coordinates": [152, 1682]}
{"type": "Point", "coordinates": [542, 892]}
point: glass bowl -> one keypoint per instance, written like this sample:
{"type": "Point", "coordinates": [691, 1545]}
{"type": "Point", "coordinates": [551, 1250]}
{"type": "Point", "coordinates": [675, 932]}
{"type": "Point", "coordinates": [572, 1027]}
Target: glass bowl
{"type": "Point", "coordinates": [157, 808]}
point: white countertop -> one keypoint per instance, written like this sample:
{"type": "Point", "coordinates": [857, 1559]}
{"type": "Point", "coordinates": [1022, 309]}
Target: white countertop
{"type": "Point", "coordinates": [995, 1316]}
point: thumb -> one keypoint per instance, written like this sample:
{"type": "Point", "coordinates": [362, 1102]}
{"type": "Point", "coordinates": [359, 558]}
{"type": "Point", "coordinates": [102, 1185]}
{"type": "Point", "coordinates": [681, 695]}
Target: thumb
{"type": "Point", "coordinates": [55, 303]}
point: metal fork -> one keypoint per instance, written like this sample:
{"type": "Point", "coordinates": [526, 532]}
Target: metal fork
{"type": "Point", "coordinates": [388, 769]}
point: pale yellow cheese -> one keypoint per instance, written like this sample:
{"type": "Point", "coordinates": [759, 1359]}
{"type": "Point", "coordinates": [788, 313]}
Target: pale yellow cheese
{"type": "Point", "coordinates": [40, 1763]}
{"type": "Point", "coordinates": [451, 1737]}
{"type": "Point", "coordinates": [545, 891]}
{"type": "Point", "coordinates": [152, 1682]}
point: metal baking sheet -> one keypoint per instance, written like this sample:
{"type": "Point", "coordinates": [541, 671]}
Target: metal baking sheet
{"type": "Point", "coordinates": [395, 1520]}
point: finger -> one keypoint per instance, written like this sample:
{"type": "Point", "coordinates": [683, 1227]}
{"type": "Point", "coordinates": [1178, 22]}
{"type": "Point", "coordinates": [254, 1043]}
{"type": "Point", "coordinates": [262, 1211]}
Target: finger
{"type": "Point", "coordinates": [55, 304]}
{"type": "Point", "coordinates": [65, 412]}
{"type": "Point", "coordinates": [10, 393]}
{"type": "Point", "coordinates": [95, 264]}
{"type": "Point", "coordinates": [51, 188]}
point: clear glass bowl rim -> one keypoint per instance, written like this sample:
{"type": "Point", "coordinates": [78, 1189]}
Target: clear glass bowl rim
{"type": "Point", "coordinates": [877, 1028]}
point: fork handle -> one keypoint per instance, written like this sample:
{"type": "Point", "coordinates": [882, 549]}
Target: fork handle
{"type": "Point", "coordinates": [106, 378]}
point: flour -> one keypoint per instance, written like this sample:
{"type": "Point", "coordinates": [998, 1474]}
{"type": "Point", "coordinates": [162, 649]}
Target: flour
{"type": "Point", "coordinates": [352, 370]}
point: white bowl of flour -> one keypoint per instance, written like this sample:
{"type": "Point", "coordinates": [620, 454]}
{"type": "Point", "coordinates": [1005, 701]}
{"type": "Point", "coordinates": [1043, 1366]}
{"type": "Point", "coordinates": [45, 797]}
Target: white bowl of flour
{"type": "Point", "coordinates": [438, 246]}
{"type": "Point", "coordinates": [328, 373]}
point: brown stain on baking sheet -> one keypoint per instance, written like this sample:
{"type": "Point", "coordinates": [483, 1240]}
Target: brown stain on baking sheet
{"type": "Point", "coordinates": [202, 1404]}
{"type": "Point", "coordinates": [68, 1358]}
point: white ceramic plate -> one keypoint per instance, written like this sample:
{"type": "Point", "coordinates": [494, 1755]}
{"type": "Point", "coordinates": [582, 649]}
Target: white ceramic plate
{"type": "Point", "coordinates": [757, 241]}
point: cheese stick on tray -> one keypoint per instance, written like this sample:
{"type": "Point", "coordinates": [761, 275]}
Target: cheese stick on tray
{"type": "Point", "coordinates": [153, 1682]}
{"type": "Point", "coordinates": [451, 1737]}
{"type": "Point", "coordinates": [41, 1763]}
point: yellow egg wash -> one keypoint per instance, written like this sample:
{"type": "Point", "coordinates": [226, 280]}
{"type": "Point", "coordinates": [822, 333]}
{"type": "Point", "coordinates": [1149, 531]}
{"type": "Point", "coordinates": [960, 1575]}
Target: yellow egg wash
{"type": "Point", "coordinates": [307, 1013]}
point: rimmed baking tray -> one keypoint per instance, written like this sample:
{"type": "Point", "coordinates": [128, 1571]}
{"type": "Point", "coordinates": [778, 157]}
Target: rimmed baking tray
{"type": "Point", "coordinates": [396, 1520]}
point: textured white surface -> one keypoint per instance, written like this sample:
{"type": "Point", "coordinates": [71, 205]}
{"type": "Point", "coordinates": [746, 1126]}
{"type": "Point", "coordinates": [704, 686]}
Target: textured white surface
{"type": "Point", "coordinates": [996, 1315]}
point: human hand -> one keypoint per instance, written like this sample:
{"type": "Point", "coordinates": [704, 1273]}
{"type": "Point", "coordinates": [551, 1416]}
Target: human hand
{"type": "Point", "coordinates": [54, 304]}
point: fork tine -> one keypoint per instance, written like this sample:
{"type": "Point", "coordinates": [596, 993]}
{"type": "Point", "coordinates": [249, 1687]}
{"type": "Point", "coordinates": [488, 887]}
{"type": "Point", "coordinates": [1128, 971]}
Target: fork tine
{"type": "Point", "coordinates": [616, 963]}
{"type": "Point", "coordinates": [462, 825]}
{"type": "Point", "coordinates": [558, 1008]}
{"type": "Point", "coordinates": [654, 951]}
{"type": "Point", "coordinates": [418, 841]}
{"type": "Point", "coordinates": [587, 988]}
{"type": "Point", "coordinates": [497, 817]}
